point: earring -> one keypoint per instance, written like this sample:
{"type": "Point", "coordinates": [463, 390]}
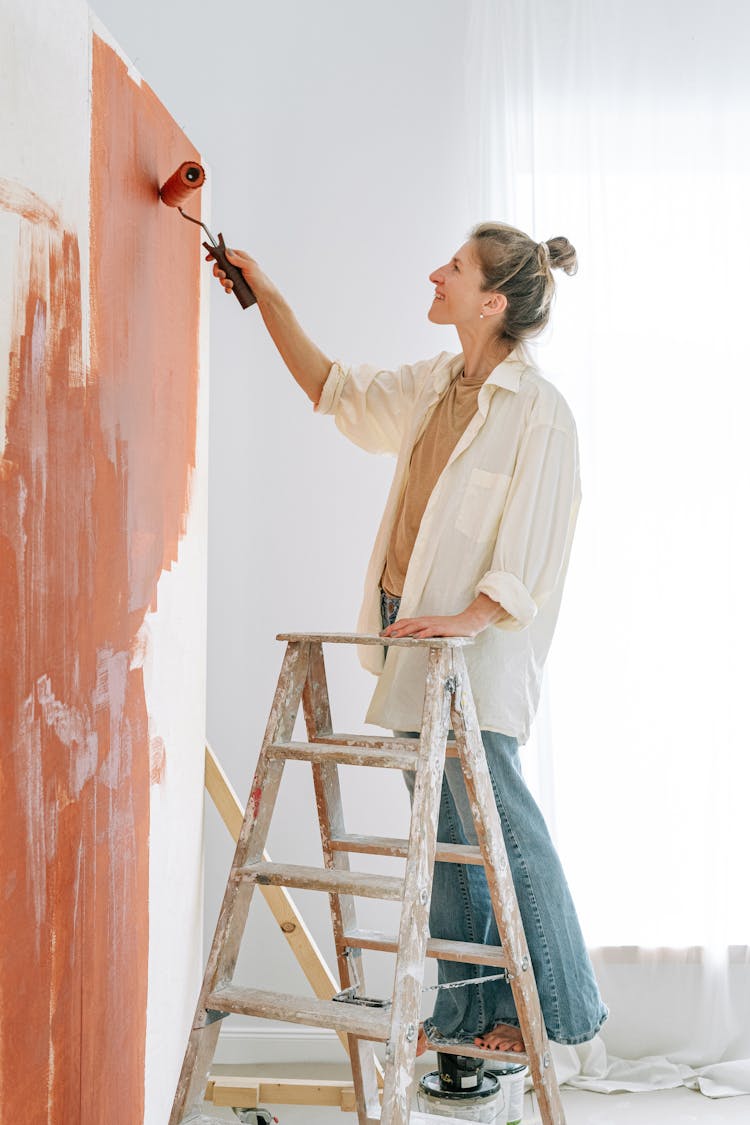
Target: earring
{"type": "Point", "coordinates": [481, 316]}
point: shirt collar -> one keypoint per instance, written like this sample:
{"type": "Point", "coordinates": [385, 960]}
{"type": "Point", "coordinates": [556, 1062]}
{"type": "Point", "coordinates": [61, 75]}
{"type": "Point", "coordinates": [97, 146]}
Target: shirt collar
{"type": "Point", "coordinates": [507, 375]}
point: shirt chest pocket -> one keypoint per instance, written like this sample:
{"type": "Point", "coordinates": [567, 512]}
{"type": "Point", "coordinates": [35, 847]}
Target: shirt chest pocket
{"type": "Point", "coordinates": [482, 505]}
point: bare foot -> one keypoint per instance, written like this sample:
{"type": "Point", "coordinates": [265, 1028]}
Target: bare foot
{"type": "Point", "coordinates": [504, 1037]}
{"type": "Point", "coordinates": [421, 1041]}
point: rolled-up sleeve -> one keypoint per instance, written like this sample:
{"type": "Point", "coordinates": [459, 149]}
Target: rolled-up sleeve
{"type": "Point", "coordinates": [332, 389]}
{"type": "Point", "coordinates": [537, 525]}
{"type": "Point", "coordinates": [372, 406]}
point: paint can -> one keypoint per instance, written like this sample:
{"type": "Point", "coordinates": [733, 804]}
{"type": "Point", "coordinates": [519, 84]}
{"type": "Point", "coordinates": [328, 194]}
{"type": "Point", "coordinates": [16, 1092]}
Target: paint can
{"type": "Point", "coordinates": [484, 1103]}
{"type": "Point", "coordinates": [512, 1079]}
{"type": "Point", "coordinates": [459, 1073]}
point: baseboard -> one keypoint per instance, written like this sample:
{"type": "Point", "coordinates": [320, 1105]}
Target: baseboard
{"type": "Point", "coordinates": [240, 1045]}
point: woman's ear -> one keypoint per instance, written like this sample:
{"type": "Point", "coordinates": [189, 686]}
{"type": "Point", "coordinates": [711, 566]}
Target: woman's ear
{"type": "Point", "coordinates": [495, 304]}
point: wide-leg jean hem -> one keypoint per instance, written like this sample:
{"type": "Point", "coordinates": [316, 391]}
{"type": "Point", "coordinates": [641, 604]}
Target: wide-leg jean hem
{"type": "Point", "coordinates": [436, 1037]}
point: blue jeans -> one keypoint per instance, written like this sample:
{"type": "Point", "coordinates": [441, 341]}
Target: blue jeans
{"type": "Point", "coordinates": [461, 909]}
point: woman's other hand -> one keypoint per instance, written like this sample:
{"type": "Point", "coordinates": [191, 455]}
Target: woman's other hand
{"type": "Point", "coordinates": [476, 617]}
{"type": "Point", "coordinates": [456, 626]}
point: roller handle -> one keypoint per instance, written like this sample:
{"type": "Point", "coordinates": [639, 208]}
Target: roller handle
{"type": "Point", "coordinates": [241, 290]}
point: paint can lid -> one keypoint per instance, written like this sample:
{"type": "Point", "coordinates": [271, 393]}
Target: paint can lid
{"type": "Point", "coordinates": [430, 1084]}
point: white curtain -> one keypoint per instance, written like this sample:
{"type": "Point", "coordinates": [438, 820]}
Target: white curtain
{"type": "Point", "coordinates": [625, 126]}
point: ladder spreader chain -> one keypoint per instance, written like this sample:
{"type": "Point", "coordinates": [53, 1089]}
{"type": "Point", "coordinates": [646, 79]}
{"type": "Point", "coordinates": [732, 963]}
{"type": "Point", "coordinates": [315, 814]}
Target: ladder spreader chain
{"type": "Point", "coordinates": [351, 995]}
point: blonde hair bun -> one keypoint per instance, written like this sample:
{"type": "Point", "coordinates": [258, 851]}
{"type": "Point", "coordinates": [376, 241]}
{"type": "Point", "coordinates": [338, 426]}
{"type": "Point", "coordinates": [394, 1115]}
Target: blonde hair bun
{"type": "Point", "coordinates": [562, 255]}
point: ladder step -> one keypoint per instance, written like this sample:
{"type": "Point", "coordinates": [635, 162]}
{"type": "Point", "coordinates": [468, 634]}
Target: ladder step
{"type": "Point", "coordinates": [387, 845]}
{"type": "Point", "coordinates": [350, 1019]}
{"type": "Point", "coordinates": [468, 952]}
{"type": "Point", "coordinates": [381, 740]}
{"type": "Point", "coordinates": [359, 883]}
{"type": "Point", "coordinates": [346, 754]}
{"type": "Point", "coordinates": [474, 1052]}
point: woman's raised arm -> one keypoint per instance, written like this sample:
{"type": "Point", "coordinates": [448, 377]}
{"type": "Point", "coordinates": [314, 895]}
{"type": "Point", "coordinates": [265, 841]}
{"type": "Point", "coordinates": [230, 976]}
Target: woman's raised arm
{"type": "Point", "coordinates": [307, 363]}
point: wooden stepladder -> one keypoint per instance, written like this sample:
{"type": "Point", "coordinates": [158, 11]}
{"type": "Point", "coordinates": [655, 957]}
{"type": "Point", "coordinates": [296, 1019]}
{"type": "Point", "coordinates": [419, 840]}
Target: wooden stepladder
{"type": "Point", "coordinates": [448, 703]}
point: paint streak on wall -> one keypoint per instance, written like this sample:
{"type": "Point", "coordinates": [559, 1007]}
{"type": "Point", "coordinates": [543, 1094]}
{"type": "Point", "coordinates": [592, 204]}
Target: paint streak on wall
{"type": "Point", "coordinates": [94, 495]}
{"type": "Point", "coordinates": [44, 722]}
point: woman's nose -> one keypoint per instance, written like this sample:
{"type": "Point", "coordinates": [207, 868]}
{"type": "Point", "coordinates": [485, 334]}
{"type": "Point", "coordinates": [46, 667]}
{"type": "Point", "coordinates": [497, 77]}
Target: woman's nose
{"type": "Point", "coordinates": [435, 277]}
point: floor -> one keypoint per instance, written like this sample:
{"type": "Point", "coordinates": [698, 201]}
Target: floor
{"type": "Point", "coordinates": [665, 1107]}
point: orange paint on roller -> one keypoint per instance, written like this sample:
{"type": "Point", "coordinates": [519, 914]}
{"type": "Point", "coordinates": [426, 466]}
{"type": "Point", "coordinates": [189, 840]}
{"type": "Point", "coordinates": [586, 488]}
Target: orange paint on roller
{"type": "Point", "coordinates": [182, 183]}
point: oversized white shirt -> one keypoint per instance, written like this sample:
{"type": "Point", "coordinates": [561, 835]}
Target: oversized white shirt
{"type": "Point", "coordinates": [499, 521]}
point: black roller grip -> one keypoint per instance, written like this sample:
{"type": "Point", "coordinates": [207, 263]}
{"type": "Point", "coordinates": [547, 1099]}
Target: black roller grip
{"type": "Point", "coordinates": [241, 290]}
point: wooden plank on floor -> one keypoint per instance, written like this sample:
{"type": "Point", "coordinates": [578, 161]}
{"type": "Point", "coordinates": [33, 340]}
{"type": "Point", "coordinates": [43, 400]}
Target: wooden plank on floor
{"type": "Point", "coordinates": [249, 1093]}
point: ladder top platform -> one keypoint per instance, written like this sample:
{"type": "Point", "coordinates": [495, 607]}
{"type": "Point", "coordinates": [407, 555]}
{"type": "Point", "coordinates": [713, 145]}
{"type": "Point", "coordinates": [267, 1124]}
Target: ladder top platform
{"type": "Point", "coordinates": [376, 639]}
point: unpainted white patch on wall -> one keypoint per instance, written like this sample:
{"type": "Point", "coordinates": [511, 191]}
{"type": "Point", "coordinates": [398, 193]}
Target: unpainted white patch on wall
{"type": "Point", "coordinates": [109, 694]}
{"type": "Point", "coordinates": [27, 754]}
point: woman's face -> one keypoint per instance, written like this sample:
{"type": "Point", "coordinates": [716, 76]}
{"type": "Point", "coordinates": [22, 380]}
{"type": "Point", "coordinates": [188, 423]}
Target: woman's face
{"type": "Point", "coordinates": [459, 297]}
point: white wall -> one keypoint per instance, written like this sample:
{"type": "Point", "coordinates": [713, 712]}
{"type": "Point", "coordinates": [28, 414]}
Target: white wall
{"type": "Point", "coordinates": [338, 145]}
{"type": "Point", "coordinates": [341, 153]}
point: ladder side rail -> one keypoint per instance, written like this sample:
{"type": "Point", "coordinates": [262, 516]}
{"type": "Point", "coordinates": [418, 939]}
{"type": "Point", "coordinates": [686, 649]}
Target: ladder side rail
{"type": "Point", "coordinates": [238, 894]}
{"type": "Point", "coordinates": [503, 895]}
{"type": "Point", "coordinates": [366, 1071]}
{"type": "Point", "coordinates": [280, 902]}
{"type": "Point", "coordinates": [414, 924]}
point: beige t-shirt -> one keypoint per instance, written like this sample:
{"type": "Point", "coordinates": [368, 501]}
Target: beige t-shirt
{"type": "Point", "coordinates": [447, 422]}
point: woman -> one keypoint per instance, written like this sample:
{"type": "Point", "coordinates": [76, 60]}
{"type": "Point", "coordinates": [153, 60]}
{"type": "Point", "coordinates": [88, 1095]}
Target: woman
{"type": "Point", "coordinates": [474, 541]}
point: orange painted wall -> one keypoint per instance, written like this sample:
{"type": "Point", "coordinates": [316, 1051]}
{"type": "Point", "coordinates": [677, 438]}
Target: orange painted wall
{"type": "Point", "coordinates": [94, 496]}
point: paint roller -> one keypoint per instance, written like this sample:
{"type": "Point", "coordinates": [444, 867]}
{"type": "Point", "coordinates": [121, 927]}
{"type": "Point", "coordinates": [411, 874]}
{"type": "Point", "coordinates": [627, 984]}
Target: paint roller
{"type": "Point", "coordinates": [179, 188]}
